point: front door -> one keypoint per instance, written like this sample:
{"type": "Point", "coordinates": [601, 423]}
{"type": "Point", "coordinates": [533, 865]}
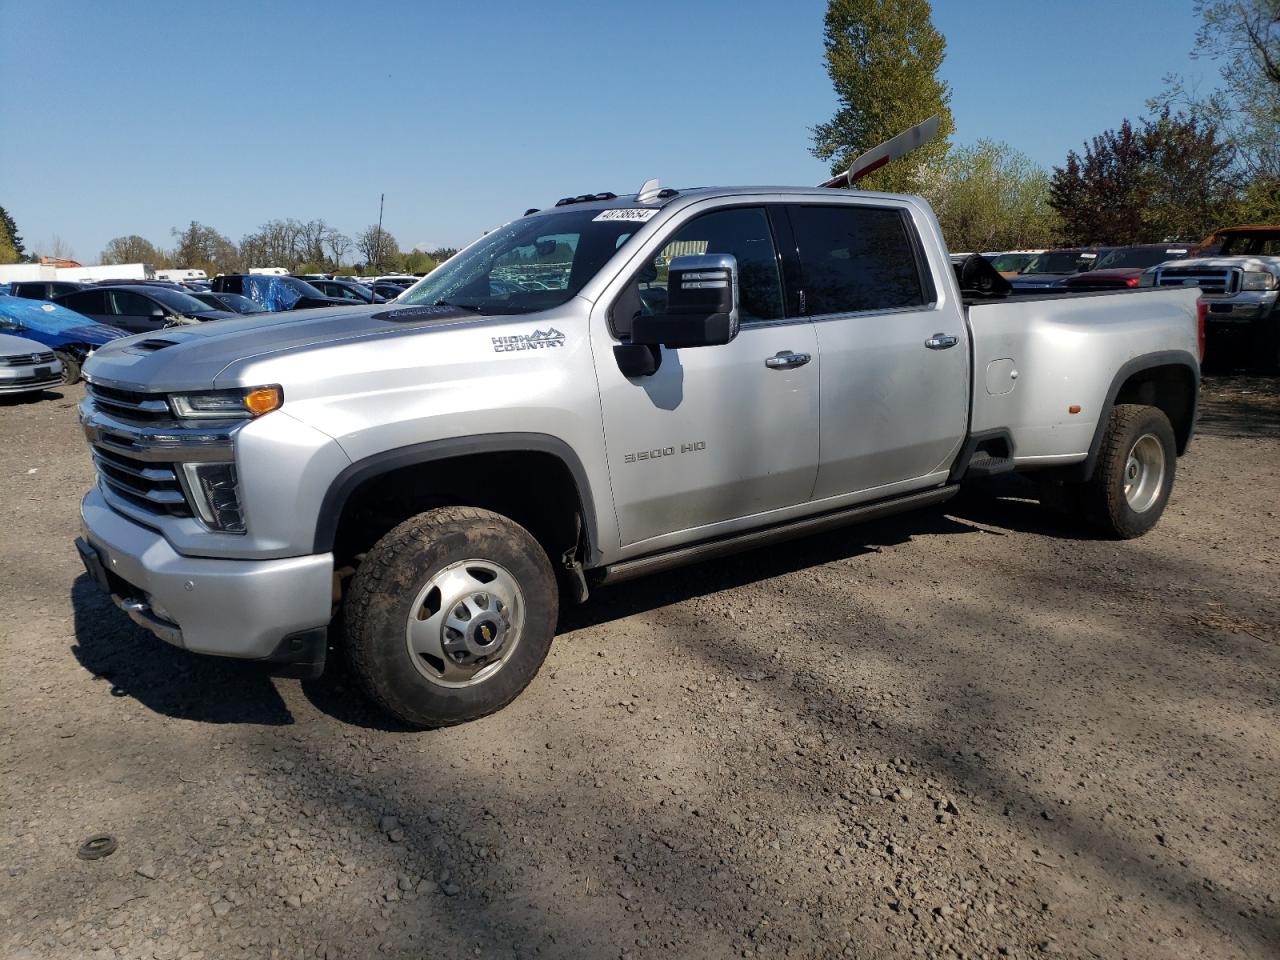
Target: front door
{"type": "Point", "coordinates": [895, 398]}
{"type": "Point", "coordinates": [134, 312]}
{"type": "Point", "coordinates": [715, 435]}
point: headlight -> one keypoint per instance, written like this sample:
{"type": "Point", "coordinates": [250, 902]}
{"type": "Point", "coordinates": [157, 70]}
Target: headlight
{"type": "Point", "coordinates": [213, 490]}
{"type": "Point", "coordinates": [1258, 280]}
{"type": "Point", "coordinates": [1148, 278]}
{"type": "Point", "coordinates": [227, 404]}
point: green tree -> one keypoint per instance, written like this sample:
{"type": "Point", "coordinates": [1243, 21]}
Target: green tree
{"type": "Point", "coordinates": [990, 197]}
{"type": "Point", "coordinates": [10, 243]}
{"type": "Point", "coordinates": [418, 261]}
{"type": "Point", "coordinates": [204, 248]}
{"type": "Point", "coordinates": [130, 249]}
{"type": "Point", "coordinates": [441, 254]}
{"type": "Point", "coordinates": [883, 57]}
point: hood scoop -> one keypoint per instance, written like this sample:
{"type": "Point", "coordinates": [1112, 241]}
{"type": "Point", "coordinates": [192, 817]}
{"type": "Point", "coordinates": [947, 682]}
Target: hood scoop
{"type": "Point", "coordinates": [422, 314]}
{"type": "Point", "coordinates": [154, 344]}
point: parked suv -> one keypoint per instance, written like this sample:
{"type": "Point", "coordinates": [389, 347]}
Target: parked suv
{"type": "Point", "coordinates": [43, 289]}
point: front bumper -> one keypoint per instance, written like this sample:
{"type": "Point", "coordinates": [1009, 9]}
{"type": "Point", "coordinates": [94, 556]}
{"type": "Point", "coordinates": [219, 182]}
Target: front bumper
{"type": "Point", "coordinates": [30, 379]}
{"type": "Point", "coordinates": [253, 609]}
{"type": "Point", "coordinates": [1240, 308]}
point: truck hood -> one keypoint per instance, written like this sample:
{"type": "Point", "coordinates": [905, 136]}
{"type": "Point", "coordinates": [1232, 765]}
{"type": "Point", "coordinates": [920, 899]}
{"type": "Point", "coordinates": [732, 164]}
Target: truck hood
{"type": "Point", "coordinates": [190, 357]}
{"type": "Point", "coordinates": [1260, 264]}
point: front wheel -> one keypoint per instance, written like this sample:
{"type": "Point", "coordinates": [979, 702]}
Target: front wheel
{"type": "Point", "coordinates": [450, 616]}
{"type": "Point", "coordinates": [1131, 482]}
{"type": "Point", "coordinates": [70, 366]}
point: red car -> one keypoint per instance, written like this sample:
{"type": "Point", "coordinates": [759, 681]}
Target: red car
{"type": "Point", "coordinates": [1123, 266]}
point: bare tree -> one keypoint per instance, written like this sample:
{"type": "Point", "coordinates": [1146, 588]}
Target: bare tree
{"type": "Point", "coordinates": [377, 246]}
{"type": "Point", "coordinates": [339, 245]}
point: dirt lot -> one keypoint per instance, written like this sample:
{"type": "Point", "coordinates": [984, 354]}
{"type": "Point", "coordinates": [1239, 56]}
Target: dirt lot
{"type": "Point", "coordinates": [963, 732]}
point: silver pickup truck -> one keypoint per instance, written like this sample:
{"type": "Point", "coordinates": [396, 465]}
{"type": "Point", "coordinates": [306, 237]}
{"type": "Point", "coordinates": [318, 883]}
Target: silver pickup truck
{"type": "Point", "coordinates": [606, 388]}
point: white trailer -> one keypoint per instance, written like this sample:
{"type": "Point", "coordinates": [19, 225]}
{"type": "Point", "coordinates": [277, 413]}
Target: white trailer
{"type": "Point", "coordinates": [181, 275]}
{"type": "Point", "coordinates": [112, 271]}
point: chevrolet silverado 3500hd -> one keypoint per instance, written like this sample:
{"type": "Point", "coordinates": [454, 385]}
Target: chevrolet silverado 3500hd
{"type": "Point", "coordinates": [599, 390]}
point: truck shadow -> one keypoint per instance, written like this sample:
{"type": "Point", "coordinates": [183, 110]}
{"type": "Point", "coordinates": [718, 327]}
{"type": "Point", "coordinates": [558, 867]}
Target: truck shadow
{"type": "Point", "coordinates": [165, 679]}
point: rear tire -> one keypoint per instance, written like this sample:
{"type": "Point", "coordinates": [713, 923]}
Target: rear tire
{"type": "Point", "coordinates": [1131, 481]}
{"type": "Point", "coordinates": [450, 616]}
{"type": "Point", "coordinates": [70, 367]}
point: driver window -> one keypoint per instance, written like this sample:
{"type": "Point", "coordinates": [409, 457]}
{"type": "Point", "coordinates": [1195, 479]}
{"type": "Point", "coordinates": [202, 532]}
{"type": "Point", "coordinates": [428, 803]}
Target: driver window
{"type": "Point", "coordinates": [741, 231]}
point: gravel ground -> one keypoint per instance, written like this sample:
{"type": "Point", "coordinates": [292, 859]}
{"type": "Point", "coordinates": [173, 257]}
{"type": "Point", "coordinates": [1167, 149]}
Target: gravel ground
{"type": "Point", "coordinates": [962, 732]}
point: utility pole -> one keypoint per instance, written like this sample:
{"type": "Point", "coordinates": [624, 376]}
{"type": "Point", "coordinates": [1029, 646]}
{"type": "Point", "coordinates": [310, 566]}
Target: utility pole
{"type": "Point", "coordinates": [381, 198]}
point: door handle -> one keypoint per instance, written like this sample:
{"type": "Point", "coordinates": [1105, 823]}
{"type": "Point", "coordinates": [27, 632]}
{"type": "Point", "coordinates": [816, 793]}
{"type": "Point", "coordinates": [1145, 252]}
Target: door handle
{"type": "Point", "coordinates": [941, 341]}
{"type": "Point", "coordinates": [786, 360]}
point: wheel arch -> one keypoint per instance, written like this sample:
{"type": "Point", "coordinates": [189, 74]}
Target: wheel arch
{"type": "Point", "coordinates": [529, 463]}
{"type": "Point", "coordinates": [1168, 380]}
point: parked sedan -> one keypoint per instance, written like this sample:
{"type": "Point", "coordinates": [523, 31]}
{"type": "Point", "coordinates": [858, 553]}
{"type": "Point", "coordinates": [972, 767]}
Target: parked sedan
{"type": "Point", "coordinates": [387, 291]}
{"type": "Point", "coordinates": [1123, 267]}
{"type": "Point", "coordinates": [69, 335]}
{"type": "Point", "coordinates": [26, 366]}
{"type": "Point", "coordinates": [347, 290]}
{"type": "Point", "coordinates": [230, 301]}
{"type": "Point", "coordinates": [140, 309]}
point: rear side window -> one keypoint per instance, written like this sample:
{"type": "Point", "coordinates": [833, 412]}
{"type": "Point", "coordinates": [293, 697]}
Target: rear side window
{"type": "Point", "coordinates": [86, 301]}
{"type": "Point", "coordinates": [856, 258]}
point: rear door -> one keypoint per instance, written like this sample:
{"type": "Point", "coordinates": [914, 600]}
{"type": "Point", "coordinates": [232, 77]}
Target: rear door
{"type": "Point", "coordinates": [895, 363]}
{"type": "Point", "coordinates": [91, 303]}
{"type": "Point", "coordinates": [715, 437]}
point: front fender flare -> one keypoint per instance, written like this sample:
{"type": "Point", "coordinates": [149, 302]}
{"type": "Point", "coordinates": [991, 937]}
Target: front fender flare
{"type": "Point", "coordinates": [346, 482]}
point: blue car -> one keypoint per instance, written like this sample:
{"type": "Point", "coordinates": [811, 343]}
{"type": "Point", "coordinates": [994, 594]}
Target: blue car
{"type": "Point", "coordinates": [71, 336]}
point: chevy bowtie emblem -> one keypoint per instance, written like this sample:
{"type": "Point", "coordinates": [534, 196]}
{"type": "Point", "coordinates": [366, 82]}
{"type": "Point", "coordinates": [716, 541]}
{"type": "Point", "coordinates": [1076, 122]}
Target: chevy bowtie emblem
{"type": "Point", "coordinates": [486, 633]}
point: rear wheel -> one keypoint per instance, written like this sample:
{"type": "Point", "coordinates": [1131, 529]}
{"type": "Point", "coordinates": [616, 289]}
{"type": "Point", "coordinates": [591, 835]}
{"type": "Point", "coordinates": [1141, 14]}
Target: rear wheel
{"type": "Point", "coordinates": [1131, 482]}
{"type": "Point", "coordinates": [70, 366]}
{"type": "Point", "coordinates": [450, 616]}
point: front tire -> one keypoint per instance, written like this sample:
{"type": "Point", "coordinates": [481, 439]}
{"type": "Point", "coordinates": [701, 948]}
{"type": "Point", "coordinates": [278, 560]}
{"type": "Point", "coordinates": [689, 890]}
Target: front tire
{"type": "Point", "coordinates": [1130, 486]}
{"type": "Point", "coordinates": [70, 366]}
{"type": "Point", "coordinates": [450, 616]}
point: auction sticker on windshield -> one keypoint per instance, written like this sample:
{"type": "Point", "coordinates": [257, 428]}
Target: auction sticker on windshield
{"type": "Point", "coordinates": [629, 214]}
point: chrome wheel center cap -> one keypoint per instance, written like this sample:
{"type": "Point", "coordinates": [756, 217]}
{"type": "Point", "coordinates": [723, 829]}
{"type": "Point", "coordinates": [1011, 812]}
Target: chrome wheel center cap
{"type": "Point", "coordinates": [485, 634]}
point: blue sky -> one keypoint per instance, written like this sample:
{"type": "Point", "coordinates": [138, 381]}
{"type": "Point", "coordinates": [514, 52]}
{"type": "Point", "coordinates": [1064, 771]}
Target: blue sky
{"type": "Point", "coordinates": [135, 116]}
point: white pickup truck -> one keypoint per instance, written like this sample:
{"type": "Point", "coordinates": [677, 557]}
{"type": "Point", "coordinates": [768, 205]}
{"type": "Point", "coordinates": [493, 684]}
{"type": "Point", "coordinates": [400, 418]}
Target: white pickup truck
{"type": "Point", "coordinates": [599, 390]}
{"type": "Point", "coordinates": [1238, 276]}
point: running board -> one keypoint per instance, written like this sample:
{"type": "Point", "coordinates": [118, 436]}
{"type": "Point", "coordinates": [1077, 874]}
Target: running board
{"type": "Point", "coordinates": [643, 566]}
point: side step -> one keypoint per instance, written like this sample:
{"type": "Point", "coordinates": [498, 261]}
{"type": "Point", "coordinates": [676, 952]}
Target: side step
{"type": "Point", "coordinates": [985, 465]}
{"type": "Point", "coordinates": [629, 569]}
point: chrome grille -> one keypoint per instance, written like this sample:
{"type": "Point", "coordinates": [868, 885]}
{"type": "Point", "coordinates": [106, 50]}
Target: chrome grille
{"type": "Point", "coordinates": [146, 483]}
{"type": "Point", "coordinates": [128, 404]}
{"type": "Point", "coordinates": [27, 359]}
{"type": "Point", "coordinates": [1215, 282]}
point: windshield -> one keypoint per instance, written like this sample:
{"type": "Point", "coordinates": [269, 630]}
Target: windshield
{"type": "Point", "coordinates": [1011, 262]}
{"type": "Point", "coordinates": [1055, 261]}
{"type": "Point", "coordinates": [1139, 258]}
{"type": "Point", "coordinates": [1257, 243]}
{"type": "Point", "coordinates": [177, 301]}
{"type": "Point", "coordinates": [531, 264]}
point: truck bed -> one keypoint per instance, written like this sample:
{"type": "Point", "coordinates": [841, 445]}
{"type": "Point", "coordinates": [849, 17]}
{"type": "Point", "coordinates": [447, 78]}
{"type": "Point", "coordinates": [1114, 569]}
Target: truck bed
{"type": "Point", "coordinates": [1045, 365]}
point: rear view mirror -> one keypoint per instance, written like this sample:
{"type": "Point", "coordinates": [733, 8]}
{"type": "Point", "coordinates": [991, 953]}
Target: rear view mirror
{"type": "Point", "coordinates": [702, 304]}
{"type": "Point", "coordinates": [157, 312]}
